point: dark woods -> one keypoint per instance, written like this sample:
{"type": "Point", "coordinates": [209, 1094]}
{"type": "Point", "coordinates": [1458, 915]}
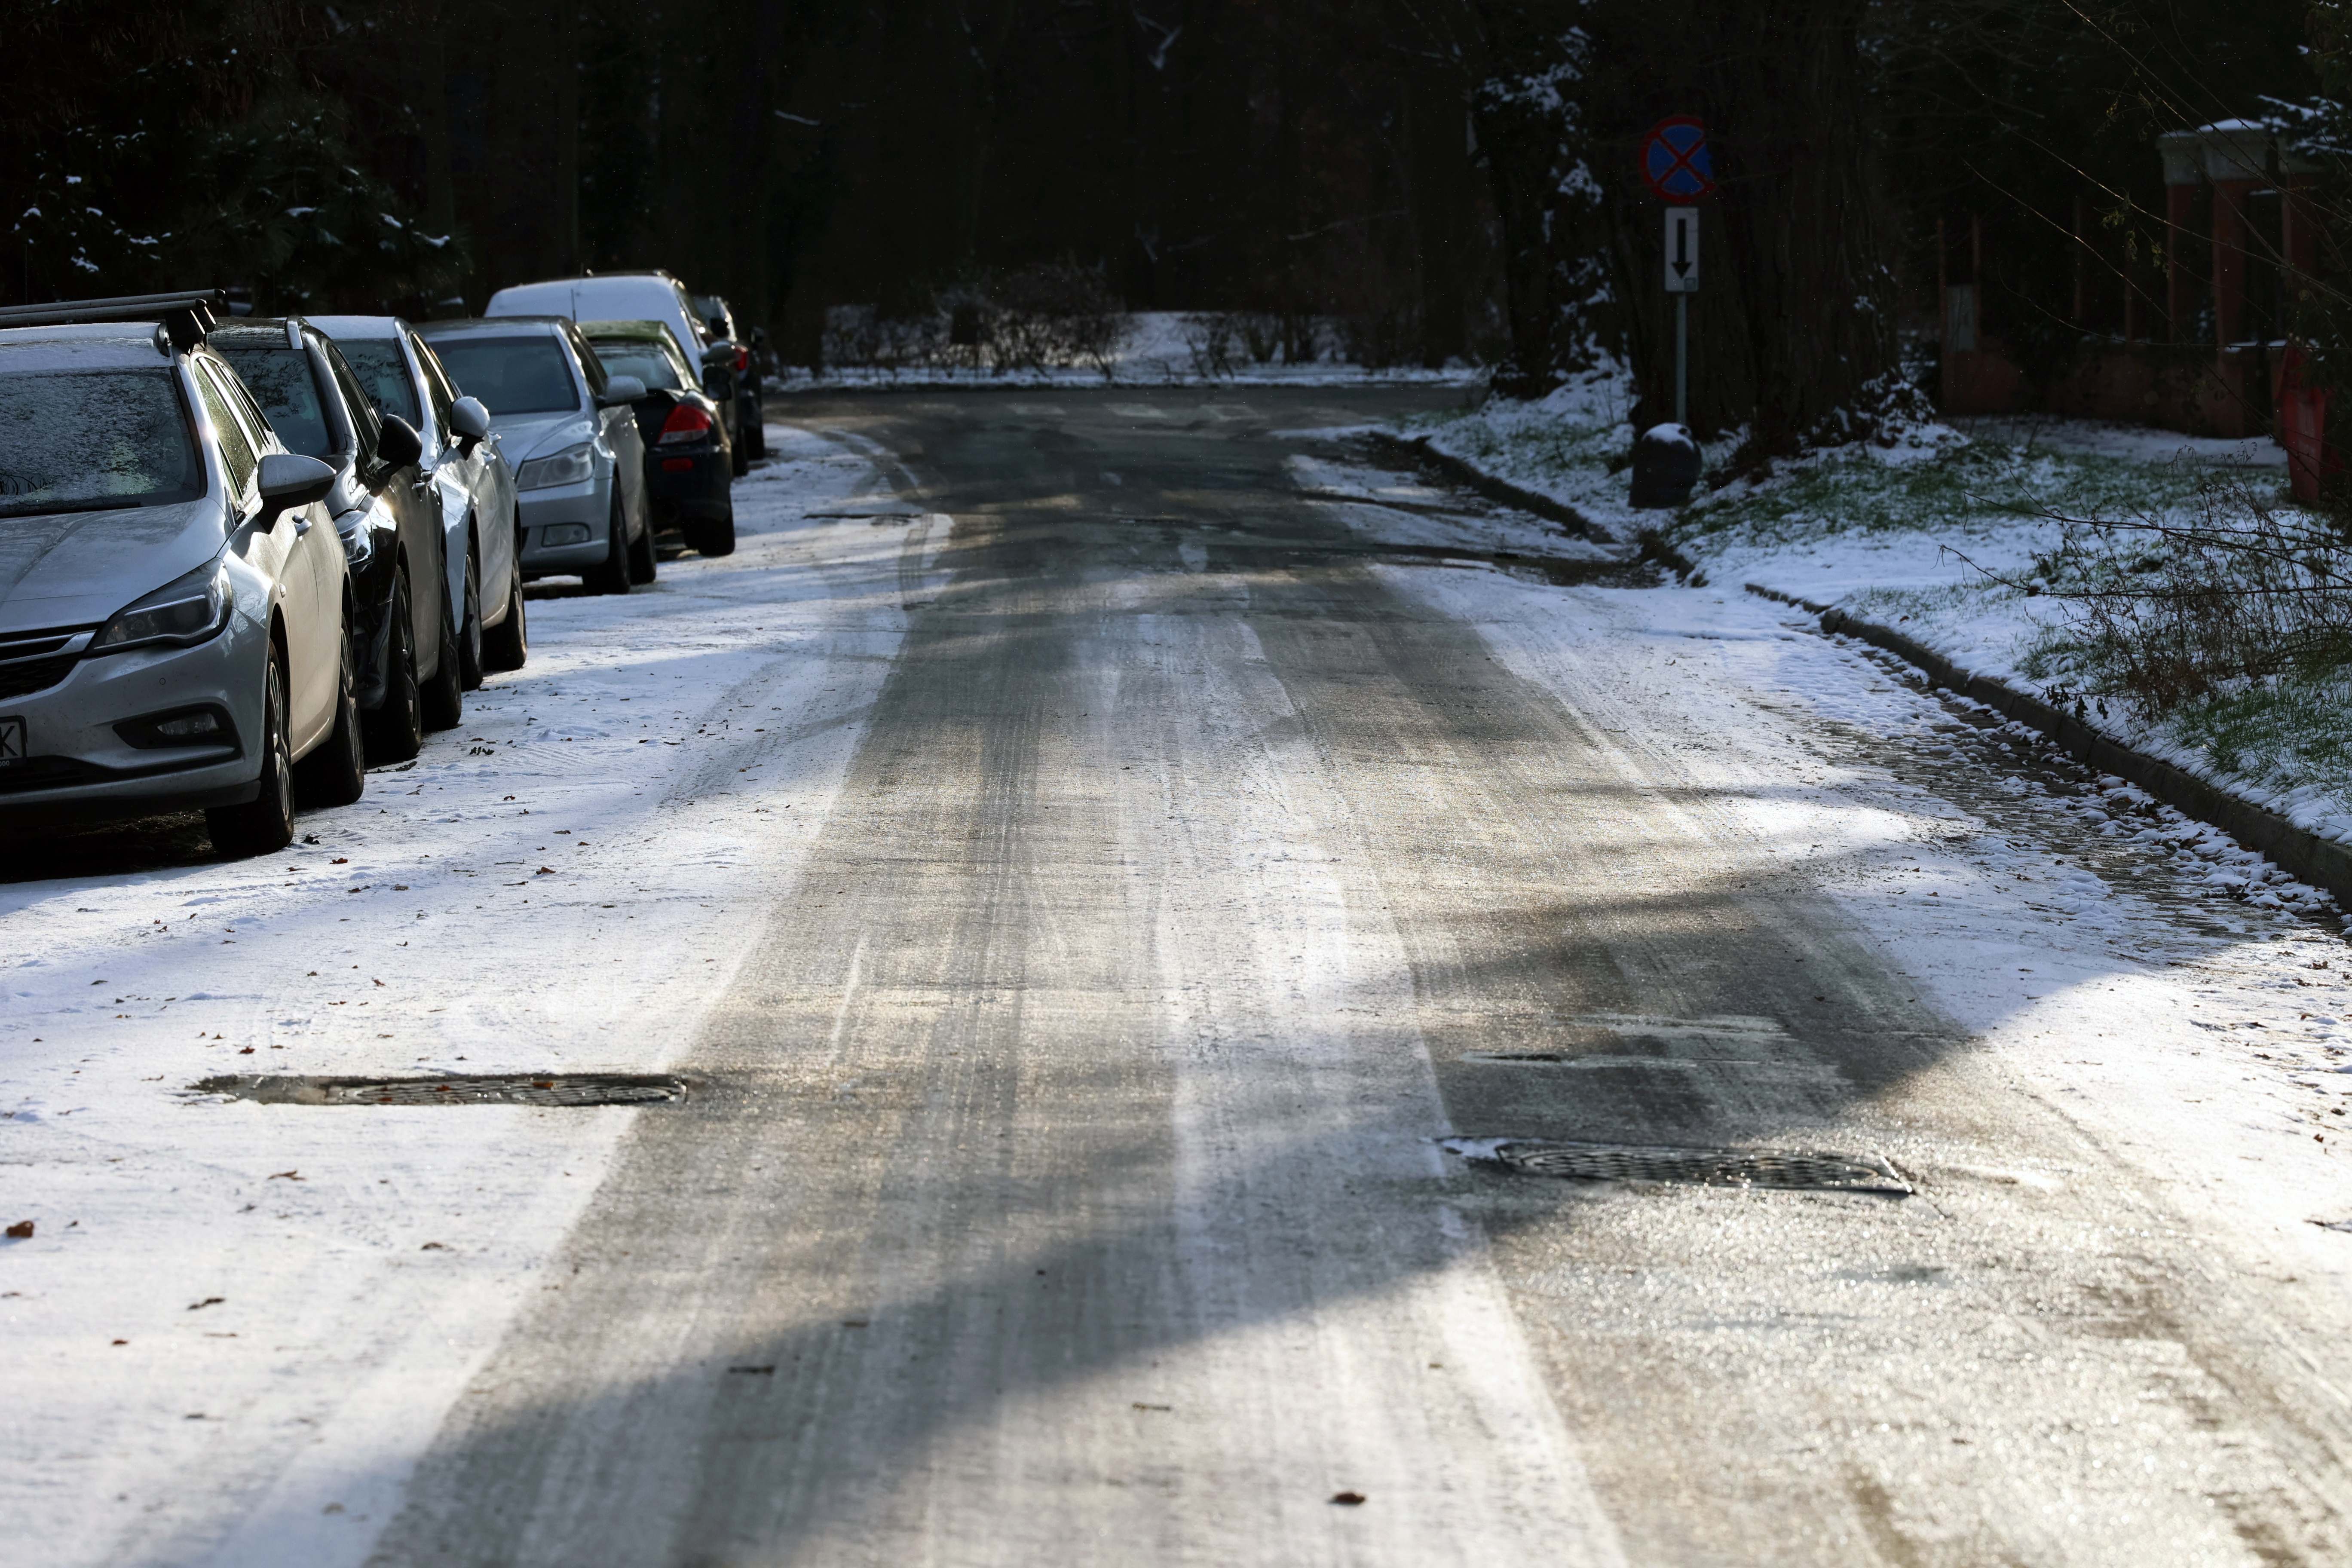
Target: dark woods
{"type": "Point", "coordinates": [1399, 181]}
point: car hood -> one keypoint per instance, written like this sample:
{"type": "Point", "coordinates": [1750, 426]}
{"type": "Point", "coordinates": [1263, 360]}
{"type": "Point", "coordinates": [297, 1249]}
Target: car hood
{"type": "Point", "coordinates": [523, 437]}
{"type": "Point", "coordinates": [77, 568]}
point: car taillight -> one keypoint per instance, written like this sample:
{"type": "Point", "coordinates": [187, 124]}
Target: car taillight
{"type": "Point", "coordinates": [686, 423]}
{"type": "Point", "coordinates": [742, 359]}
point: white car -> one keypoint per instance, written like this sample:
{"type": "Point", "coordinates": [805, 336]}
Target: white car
{"type": "Point", "coordinates": [610, 297]}
{"type": "Point", "coordinates": [481, 516]}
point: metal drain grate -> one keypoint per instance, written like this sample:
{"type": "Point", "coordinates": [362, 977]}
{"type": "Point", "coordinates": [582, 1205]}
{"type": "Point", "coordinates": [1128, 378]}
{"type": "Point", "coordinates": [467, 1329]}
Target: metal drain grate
{"type": "Point", "coordinates": [1799, 1169]}
{"type": "Point", "coordinates": [540, 1088]}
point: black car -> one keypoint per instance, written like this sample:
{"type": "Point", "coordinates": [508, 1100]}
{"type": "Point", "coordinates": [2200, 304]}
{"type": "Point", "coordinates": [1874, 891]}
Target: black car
{"type": "Point", "coordinates": [750, 434]}
{"type": "Point", "coordinates": [690, 457]}
{"type": "Point", "coordinates": [408, 677]}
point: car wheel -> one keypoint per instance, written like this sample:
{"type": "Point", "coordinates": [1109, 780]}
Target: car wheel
{"type": "Point", "coordinates": [739, 462]}
{"type": "Point", "coordinates": [469, 632]}
{"type": "Point", "coordinates": [336, 774]}
{"type": "Point", "coordinates": [613, 575]}
{"type": "Point", "coordinates": [507, 644]}
{"type": "Point", "coordinates": [395, 731]}
{"type": "Point", "coordinates": [641, 557]}
{"type": "Point", "coordinates": [715, 539]}
{"type": "Point", "coordinates": [265, 823]}
{"type": "Point", "coordinates": [445, 694]}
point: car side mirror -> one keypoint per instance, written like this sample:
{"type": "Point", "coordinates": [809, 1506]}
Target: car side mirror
{"type": "Point", "coordinates": [719, 354]}
{"type": "Point", "coordinates": [469, 422]}
{"type": "Point", "coordinates": [290, 480]}
{"type": "Point", "coordinates": [620, 389]}
{"type": "Point", "coordinates": [398, 445]}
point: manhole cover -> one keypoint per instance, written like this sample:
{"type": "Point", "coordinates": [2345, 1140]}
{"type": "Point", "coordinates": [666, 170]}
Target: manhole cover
{"type": "Point", "coordinates": [1806, 1169]}
{"type": "Point", "coordinates": [541, 1089]}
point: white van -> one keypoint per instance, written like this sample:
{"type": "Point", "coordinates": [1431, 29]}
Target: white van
{"type": "Point", "coordinates": [610, 297]}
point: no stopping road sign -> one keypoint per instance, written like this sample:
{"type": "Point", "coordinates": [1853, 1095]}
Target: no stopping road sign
{"type": "Point", "coordinates": [1675, 161]}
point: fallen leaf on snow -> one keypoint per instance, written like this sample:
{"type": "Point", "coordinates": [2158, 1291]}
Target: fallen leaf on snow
{"type": "Point", "coordinates": [21, 1231]}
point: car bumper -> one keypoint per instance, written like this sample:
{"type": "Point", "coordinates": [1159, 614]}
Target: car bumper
{"type": "Point", "coordinates": [697, 485]}
{"type": "Point", "coordinates": [78, 766]}
{"type": "Point", "coordinates": [560, 511]}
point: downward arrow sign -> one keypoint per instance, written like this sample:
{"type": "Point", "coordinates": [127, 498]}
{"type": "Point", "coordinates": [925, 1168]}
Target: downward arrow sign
{"type": "Point", "coordinates": [1681, 250]}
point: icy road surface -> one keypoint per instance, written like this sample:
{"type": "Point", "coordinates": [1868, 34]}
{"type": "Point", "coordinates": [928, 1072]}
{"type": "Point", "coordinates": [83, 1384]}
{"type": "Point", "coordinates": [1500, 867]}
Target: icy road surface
{"type": "Point", "coordinates": [1084, 895]}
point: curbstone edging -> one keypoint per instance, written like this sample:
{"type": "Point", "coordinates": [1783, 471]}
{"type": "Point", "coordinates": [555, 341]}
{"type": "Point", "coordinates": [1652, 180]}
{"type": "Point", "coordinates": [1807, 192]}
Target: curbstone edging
{"type": "Point", "coordinates": [2298, 851]}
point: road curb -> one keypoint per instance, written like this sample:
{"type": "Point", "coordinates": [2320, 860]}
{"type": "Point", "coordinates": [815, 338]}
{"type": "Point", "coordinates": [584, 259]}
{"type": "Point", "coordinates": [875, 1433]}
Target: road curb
{"type": "Point", "coordinates": [1650, 545]}
{"type": "Point", "coordinates": [2298, 851]}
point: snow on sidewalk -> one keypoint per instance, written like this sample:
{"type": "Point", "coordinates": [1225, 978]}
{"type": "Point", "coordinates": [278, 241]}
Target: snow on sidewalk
{"type": "Point", "coordinates": [236, 1312]}
{"type": "Point", "coordinates": [1934, 534]}
{"type": "Point", "coordinates": [2179, 996]}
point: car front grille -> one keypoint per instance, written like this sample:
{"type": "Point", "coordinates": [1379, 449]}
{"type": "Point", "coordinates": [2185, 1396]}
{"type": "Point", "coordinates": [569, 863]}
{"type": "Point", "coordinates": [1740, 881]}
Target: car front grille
{"type": "Point", "coordinates": [34, 675]}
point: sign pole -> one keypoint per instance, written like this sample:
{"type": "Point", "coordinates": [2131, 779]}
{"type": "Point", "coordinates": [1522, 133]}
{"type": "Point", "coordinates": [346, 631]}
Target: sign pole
{"type": "Point", "coordinates": [1682, 282]}
{"type": "Point", "coordinates": [1682, 359]}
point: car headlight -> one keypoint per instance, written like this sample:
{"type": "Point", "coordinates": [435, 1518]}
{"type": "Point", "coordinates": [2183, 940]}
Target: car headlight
{"type": "Point", "coordinates": [568, 467]}
{"type": "Point", "coordinates": [182, 612]}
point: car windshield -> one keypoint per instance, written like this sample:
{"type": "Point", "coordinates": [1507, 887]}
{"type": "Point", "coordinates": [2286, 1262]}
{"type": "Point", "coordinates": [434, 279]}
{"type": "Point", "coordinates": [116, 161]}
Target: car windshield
{"type": "Point", "coordinates": [646, 361]}
{"type": "Point", "coordinates": [510, 375]}
{"type": "Point", "coordinates": [279, 379]}
{"type": "Point", "coordinates": [382, 371]}
{"type": "Point", "coordinates": [89, 440]}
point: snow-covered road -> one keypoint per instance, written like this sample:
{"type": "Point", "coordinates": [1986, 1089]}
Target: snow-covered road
{"type": "Point", "coordinates": [1189, 869]}
{"type": "Point", "coordinates": [231, 1318]}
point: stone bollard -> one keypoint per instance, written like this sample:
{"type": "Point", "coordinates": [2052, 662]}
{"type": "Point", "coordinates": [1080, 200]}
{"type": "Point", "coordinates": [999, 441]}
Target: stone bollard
{"type": "Point", "coordinates": [1665, 466]}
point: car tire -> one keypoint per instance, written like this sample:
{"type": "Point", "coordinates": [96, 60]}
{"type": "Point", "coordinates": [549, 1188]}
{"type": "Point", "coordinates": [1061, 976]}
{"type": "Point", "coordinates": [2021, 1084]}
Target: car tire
{"type": "Point", "coordinates": [336, 774]}
{"type": "Point", "coordinates": [395, 731]}
{"type": "Point", "coordinates": [714, 539]}
{"type": "Point", "coordinates": [642, 564]}
{"type": "Point", "coordinates": [613, 575]}
{"type": "Point", "coordinates": [738, 462]}
{"type": "Point", "coordinates": [507, 645]}
{"type": "Point", "coordinates": [265, 823]}
{"type": "Point", "coordinates": [445, 694]}
{"type": "Point", "coordinates": [469, 630]}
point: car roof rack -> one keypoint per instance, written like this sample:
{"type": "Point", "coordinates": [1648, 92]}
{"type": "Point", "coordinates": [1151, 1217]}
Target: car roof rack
{"type": "Point", "coordinates": [187, 317]}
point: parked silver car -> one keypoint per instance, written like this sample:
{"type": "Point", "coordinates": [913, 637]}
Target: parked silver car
{"type": "Point", "coordinates": [174, 600]}
{"type": "Point", "coordinates": [465, 461]}
{"type": "Point", "coordinates": [571, 434]}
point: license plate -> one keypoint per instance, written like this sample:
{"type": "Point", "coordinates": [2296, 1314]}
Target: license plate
{"type": "Point", "coordinates": [12, 741]}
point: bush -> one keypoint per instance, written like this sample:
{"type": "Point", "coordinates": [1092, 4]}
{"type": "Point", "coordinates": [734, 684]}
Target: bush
{"type": "Point", "coordinates": [1055, 315]}
{"type": "Point", "coordinates": [2170, 611]}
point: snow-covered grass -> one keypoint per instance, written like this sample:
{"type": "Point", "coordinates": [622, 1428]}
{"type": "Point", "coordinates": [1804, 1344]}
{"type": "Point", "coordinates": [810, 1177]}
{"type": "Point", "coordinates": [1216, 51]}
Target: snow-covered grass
{"type": "Point", "coordinates": [249, 1315]}
{"type": "Point", "coordinates": [1946, 533]}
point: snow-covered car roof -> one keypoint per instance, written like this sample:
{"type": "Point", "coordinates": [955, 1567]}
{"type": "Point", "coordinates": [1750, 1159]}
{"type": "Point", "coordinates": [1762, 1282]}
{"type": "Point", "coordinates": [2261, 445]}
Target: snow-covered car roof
{"type": "Point", "coordinates": [358, 326]}
{"type": "Point", "coordinates": [103, 346]}
{"type": "Point", "coordinates": [487, 326]}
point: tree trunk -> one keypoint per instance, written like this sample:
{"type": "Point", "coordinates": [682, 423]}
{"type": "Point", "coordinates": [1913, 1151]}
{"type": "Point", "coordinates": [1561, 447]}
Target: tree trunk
{"type": "Point", "coordinates": [1791, 333]}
